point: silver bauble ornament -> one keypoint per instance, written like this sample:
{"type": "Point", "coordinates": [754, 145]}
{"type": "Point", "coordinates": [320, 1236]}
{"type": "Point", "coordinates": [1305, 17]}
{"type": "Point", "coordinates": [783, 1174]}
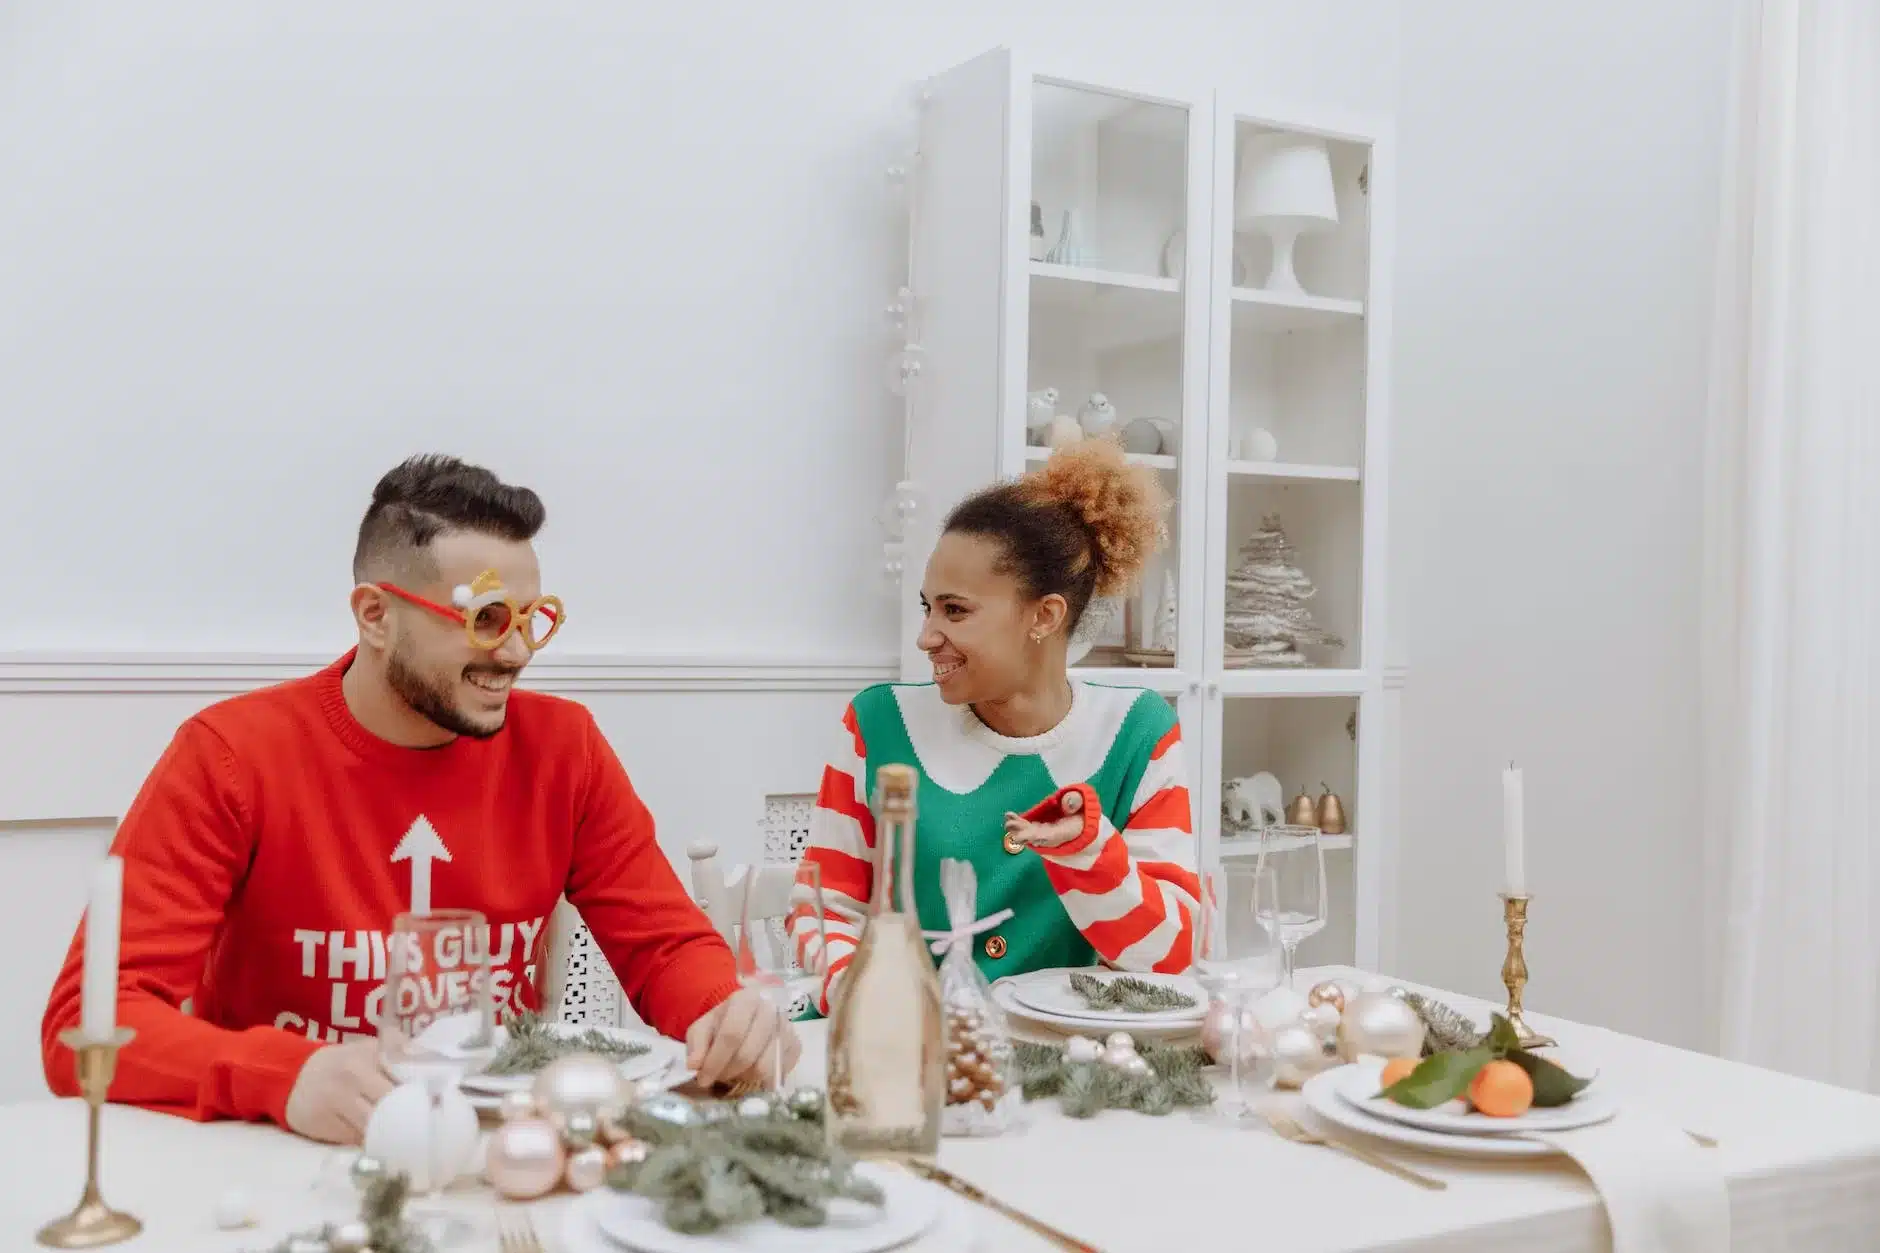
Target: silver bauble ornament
{"type": "Point", "coordinates": [672, 1108]}
{"type": "Point", "coordinates": [587, 1169]}
{"type": "Point", "coordinates": [1327, 993]}
{"type": "Point", "coordinates": [1118, 1057]}
{"type": "Point", "coordinates": [365, 1170]}
{"type": "Point", "coordinates": [629, 1152]}
{"type": "Point", "coordinates": [350, 1237]}
{"type": "Point", "coordinates": [1137, 1065]}
{"type": "Point", "coordinates": [755, 1106]}
{"type": "Point", "coordinates": [1120, 1040]}
{"type": "Point", "coordinates": [580, 1129]}
{"type": "Point", "coordinates": [1081, 1048]}
{"type": "Point", "coordinates": [807, 1103]}
{"type": "Point", "coordinates": [1297, 1055]}
{"type": "Point", "coordinates": [1378, 1024]}
{"type": "Point", "coordinates": [581, 1083]}
{"type": "Point", "coordinates": [714, 1111]}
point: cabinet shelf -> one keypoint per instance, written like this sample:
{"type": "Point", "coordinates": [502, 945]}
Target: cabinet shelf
{"type": "Point", "coordinates": [1300, 682]}
{"type": "Point", "coordinates": [1155, 461]}
{"type": "Point", "coordinates": [1238, 847]}
{"type": "Point", "coordinates": [1268, 471]}
{"type": "Point", "coordinates": [1115, 309]}
{"type": "Point", "coordinates": [1271, 311]}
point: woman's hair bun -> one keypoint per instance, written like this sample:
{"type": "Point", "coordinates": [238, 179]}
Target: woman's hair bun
{"type": "Point", "coordinates": [1120, 504]}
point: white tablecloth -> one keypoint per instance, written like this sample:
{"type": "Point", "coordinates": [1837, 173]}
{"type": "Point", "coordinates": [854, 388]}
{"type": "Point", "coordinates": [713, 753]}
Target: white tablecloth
{"type": "Point", "coordinates": [1802, 1162]}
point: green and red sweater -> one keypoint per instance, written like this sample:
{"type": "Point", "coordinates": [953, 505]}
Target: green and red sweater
{"type": "Point", "coordinates": [1123, 891]}
{"type": "Point", "coordinates": [263, 869]}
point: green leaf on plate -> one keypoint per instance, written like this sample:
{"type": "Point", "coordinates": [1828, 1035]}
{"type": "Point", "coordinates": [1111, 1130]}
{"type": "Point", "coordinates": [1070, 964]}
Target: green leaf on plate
{"type": "Point", "coordinates": [1553, 1085]}
{"type": "Point", "coordinates": [1443, 1077]}
{"type": "Point", "coordinates": [1502, 1037]}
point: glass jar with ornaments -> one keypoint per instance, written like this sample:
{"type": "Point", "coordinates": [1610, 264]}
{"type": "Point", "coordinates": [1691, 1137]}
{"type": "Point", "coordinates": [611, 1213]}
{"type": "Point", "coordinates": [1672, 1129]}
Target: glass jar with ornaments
{"type": "Point", "coordinates": [982, 1093]}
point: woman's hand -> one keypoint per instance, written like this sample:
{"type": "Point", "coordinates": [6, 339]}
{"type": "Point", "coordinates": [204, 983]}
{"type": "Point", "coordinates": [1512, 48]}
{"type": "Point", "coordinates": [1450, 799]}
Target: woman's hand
{"type": "Point", "coordinates": [1020, 830]}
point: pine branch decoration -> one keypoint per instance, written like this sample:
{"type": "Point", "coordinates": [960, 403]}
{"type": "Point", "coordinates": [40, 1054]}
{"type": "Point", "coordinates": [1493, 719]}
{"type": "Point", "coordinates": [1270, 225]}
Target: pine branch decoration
{"type": "Point", "coordinates": [738, 1169]}
{"type": "Point", "coordinates": [1175, 1080]}
{"type": "Point", "coordinates": [533, 1043]}
{"type": "Point", "coordinates": [382, 1210]}
{"type": "Point", "coordinates": [1128, 994]}
{"type": "Point", "coordinates": [1445, 1030]}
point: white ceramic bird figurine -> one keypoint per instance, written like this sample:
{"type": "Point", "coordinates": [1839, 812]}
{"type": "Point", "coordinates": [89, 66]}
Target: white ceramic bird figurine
{"type": "Point", "coordinates": [1098, 416]}
{"type": "Point", "coordinates": [1040, 408]}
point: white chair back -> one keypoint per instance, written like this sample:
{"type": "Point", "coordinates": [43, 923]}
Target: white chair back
{"type": "Point", "coordinates": [721, 894]}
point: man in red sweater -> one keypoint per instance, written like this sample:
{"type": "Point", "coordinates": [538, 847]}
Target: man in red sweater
{"type": "Point", "coordinates": [282, 832]}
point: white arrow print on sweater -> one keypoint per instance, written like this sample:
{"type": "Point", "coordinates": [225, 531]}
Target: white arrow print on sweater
{"type": "Point", "coordinates": [421, 846]}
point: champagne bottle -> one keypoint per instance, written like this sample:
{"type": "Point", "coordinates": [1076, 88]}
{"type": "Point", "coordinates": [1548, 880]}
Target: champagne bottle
{"type": "Point", "coordinates": [887, 1055]}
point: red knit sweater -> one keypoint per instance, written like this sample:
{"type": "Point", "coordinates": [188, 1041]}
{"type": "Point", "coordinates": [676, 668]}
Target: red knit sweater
{"type": "Point", "coordinates": [259, 885]}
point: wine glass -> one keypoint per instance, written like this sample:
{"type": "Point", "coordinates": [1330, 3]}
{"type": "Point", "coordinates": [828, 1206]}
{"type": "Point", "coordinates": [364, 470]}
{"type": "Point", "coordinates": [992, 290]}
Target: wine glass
{"type": "Point", "coordinates": [1237, 961]}
{"type": "Point", "coordinates": [437, 1023]}
{"type": "Point", "coordinates": [775, 960]}
{"type": "Point", "coordinates": [1296, 856]}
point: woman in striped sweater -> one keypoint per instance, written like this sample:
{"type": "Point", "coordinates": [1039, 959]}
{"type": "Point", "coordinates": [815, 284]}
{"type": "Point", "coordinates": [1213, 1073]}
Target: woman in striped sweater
{"type": "Point", "coordinates": [1069, 798]}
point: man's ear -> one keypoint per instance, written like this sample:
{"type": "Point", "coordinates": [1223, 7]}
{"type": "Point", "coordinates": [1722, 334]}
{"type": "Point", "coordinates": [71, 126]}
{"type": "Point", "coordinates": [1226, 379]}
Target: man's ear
{"type": "Point", "coordinates": [372, 613]}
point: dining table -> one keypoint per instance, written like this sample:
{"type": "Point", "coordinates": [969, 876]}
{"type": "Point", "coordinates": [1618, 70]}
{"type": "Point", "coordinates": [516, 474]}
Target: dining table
{"type": "Point", "coordinates": [1800, 1161]}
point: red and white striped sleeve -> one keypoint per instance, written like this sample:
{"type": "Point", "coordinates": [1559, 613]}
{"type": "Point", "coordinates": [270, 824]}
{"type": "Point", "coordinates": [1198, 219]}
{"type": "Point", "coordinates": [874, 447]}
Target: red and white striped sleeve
{"type": "Point", "coordinates": [842, 849]}
{"type": "Point", "coordinates": [1133, 892]}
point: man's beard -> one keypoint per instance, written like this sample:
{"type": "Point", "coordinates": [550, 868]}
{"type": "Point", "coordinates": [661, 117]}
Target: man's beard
{"type": "Point", "coordinates": [432, 699]}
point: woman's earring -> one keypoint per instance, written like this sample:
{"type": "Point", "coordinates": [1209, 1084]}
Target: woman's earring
{"type": "Point", "coordinates": [1037, 637]}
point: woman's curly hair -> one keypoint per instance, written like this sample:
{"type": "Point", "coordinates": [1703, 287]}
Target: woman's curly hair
{"type": "Point", "coordinates": [1081, 525]}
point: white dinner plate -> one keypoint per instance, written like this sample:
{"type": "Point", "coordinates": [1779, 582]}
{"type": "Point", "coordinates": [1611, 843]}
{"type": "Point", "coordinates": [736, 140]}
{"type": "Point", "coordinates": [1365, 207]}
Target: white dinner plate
{"type": "Point", "coordinates": [660, 1053]}
{"type": "Point", "coordinates": [1152, 1030]}
{"type": "Point", "coordinates": [1322, 1098]}
{"type": "Point", "coordinates": [1358, 1087]}
{"type": "Point", "coordinates": [607, 1220]}
{"type": "Point", "coordinates": [1049, 991]}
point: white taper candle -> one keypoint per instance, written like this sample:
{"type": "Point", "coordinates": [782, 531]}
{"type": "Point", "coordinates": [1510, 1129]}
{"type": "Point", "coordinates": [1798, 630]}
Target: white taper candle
{"type": "Point", "coordinates": [98, 1003]}
{"type": "Point", "coordinates": [1512, 831]}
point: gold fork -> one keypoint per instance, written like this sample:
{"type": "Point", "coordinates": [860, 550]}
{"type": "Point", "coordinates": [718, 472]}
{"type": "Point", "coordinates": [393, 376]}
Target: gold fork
{"type": "Point", "coordinates": [1289, 1128]}
{"type": "Point", "coordinates": [517, 1236]}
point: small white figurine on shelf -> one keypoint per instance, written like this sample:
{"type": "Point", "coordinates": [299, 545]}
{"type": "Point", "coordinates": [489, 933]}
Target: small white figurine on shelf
{"type": "Point", "coordinates": [1253, 803]}
{"type": "Point", "coordinates": [1098, 416]}
{"type": "Point", "coordinates": [1040, 408]}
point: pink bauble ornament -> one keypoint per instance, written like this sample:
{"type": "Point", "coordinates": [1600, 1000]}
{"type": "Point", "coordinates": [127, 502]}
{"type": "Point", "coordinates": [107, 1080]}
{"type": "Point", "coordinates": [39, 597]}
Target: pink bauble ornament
{"type": "Point", "coordinates": [628, 1152]}
{"type": "Point", "coordinates": [1217, 1032]}
{"type": "Point", "coordinates": [525, 1158]}
{"type": "Point", "coordinates": [586, 1170]}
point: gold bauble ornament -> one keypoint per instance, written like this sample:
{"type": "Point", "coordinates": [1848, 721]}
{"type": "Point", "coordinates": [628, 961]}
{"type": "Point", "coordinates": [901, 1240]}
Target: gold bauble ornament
{"type": "Point", "coordinates": [581, 1083]}
{"type": "Point", "coordinates": [1302, 812]}
{"type": "Point", "coordinates": [628, 1152]}
{"type": "Point", "coordinates": [1378, 1024]}
{"type": "Point", "coordinates": [1331, 813]}
{"type": "Point", "coordinates": [1327, 993]}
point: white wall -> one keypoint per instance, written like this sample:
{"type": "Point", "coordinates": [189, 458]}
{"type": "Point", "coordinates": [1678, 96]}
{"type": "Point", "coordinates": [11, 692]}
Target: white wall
{"type": "Point", "coordinates": [1560, 174]}
{"type": "Point", "coordinates": [636, 257]}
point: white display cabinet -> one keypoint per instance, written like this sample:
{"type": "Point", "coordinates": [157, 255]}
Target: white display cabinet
{"type": "Point", "coordinates": [1250, 401]}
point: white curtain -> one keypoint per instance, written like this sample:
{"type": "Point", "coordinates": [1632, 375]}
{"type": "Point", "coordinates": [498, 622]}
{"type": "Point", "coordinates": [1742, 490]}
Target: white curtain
{"type": "Point", "coordinates": [1791, 621]}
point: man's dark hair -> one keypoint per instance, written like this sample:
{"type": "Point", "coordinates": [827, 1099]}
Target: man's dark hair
{"type": "Point", "coordinates": [431, 495]}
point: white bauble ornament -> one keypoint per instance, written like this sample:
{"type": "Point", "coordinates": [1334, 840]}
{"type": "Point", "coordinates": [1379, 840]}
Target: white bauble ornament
{"type": "Point", "coordinates": [1279, 1007]}
{"type": "Point", "coordinates": [352, 1236]}
{"type": "Point", "coordinates": [1297, 1055]}
{"type": "Point", "coordinates": [1377, 1024]}
{"type": "Point", "coordinates": [1260, 446]}
{"type": "Point", "coordinates": [581, 1083]}
{"type": "Point", "coordinates": [1140, 436]}
{"type": "Point", "coordinates": [1120, 1040]}
{"type": "Point", "coordinates": [1137, 1065]}
{"type": "Point", "coordinates": [1119, 1056]}
{"type": "Point", "coordinates": [1322, 1019]}
{"type": "Point", "coordinates": [234, 1210]}
{"type": "Point", "coordinates": [1081, 1048]}
{"type": "Point", "coordinates": [429, 1136]}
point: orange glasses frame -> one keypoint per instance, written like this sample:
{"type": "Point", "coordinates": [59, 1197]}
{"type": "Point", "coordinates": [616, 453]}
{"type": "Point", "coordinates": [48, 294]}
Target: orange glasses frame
{"type": "Point", "coordinates": [519, 621]}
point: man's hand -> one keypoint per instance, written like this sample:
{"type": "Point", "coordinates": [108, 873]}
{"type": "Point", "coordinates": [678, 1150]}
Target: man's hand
{"type": "Point", "coordinates": [734, 1040]}
{"type": "Point", "coordinates": [335, 1092]}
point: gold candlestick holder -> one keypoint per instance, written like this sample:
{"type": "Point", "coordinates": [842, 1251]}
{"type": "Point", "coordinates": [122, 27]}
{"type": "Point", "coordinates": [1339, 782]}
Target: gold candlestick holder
{"type": "Point", "coordinates": [1514, 971]}
{"type": "Point", "coordinates": [93, 1224]}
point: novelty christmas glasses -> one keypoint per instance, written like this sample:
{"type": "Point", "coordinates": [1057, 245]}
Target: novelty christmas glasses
{"type": "Point", "coordinates": [490, 615]}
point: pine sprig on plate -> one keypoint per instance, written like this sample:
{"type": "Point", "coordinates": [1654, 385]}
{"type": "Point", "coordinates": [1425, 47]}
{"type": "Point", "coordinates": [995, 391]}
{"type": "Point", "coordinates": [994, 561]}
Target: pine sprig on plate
{"type": "Point", "coordinates": [1128, 994]}
{"type": "Point", "coordinates": [1084, 1089]}
{"type": "Point", "coordinates": [533, 1043]}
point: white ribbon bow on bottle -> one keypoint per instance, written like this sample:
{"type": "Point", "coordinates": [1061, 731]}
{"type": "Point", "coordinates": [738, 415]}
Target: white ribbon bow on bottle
{"type": "Point", "coordinates": [960, 887]}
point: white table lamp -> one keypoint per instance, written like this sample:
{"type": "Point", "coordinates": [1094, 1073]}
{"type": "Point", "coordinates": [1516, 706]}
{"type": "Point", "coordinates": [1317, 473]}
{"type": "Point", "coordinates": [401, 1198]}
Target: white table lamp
{"type": "Point", "coordinates": [1285, 190]}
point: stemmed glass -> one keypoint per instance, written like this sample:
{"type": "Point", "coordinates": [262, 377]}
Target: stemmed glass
{"type": "Point", "coordinates": [438, 1022]}
{"type": "Point", "coordinates": [1296, 857]}
{"type": "Point", "coordinates": [1237, 962]}
{"type": "Point", "coordinates": [774, 960]}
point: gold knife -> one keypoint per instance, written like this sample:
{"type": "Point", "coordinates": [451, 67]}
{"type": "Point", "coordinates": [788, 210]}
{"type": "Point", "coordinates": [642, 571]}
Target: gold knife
{"type": "Point", "coordinates": [959, 1187]}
